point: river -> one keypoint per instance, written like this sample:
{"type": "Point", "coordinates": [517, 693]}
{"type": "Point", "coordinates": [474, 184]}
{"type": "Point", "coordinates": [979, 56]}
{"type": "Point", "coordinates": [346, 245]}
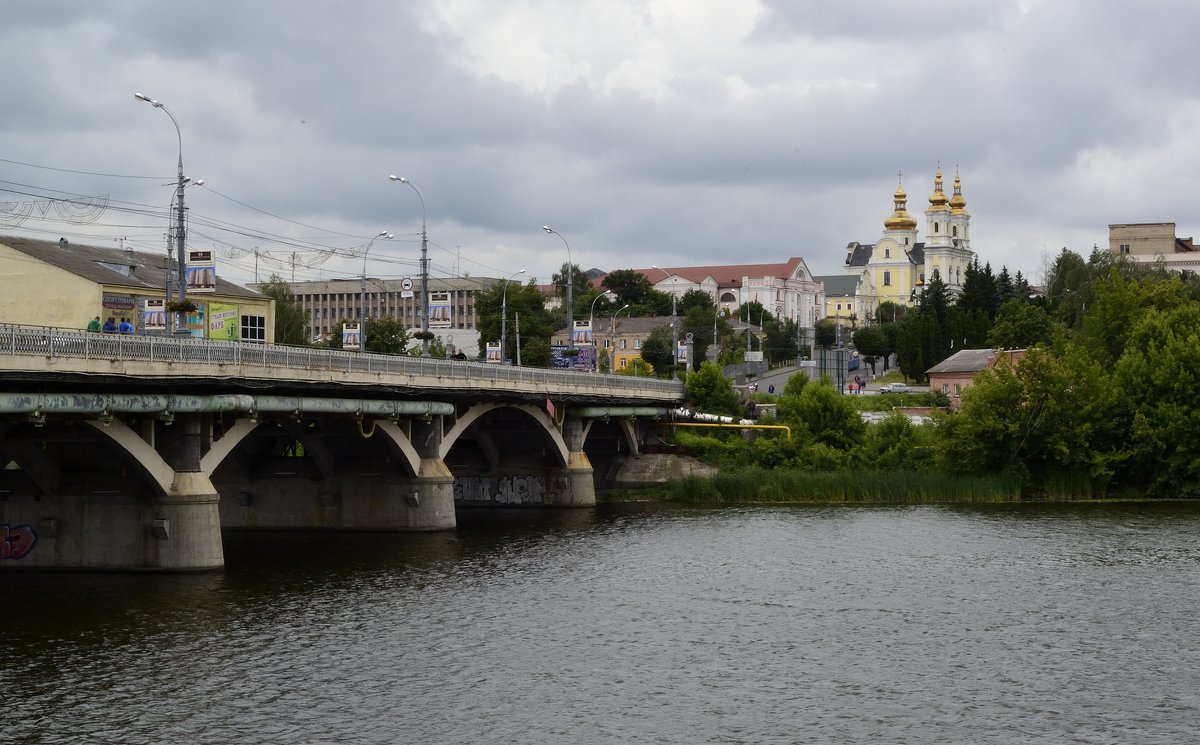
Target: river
{"type": "Point", "coordinates": [635, 623]}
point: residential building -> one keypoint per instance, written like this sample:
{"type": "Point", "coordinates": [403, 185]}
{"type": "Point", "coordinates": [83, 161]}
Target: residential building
{"type": "Point", "coordinates": [452, 315]}
{"type": "Point", "coordinates": [896, 267]}
{"type": "Point", "coordinates": [786, 290]}
{"type": "Point", "coordinates": [957, 372]}
{"type": "Point", "coordinates": [1150, 242]}
{"type": "Point", "coordinates": [66, 285]}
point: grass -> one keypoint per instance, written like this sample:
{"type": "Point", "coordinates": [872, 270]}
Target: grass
{"type": "Point", "coordinates": [759, 486]}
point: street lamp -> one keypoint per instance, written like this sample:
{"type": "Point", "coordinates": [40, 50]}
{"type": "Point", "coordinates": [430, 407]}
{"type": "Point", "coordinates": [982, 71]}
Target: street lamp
{"type": "Point", "coordinates": [592, 330]}
{"type": "Point", "coordinates": [362, 297]}
{"type": "Point", "coordinates": [570, 289]}
{"type": "Point", "coordinates": [612, 332]}
{"type": "Point", "coordinates": [180, 324]}
{"type": "Point", "coordinates": [674, 324]}
{"type": "Point", "coordinates": [504, 315]}
{"type": "Point", "coordinates": [424, 269]}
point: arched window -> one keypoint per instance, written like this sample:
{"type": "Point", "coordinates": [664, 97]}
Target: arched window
{"type": "Point", "coordinates": [936, 227]}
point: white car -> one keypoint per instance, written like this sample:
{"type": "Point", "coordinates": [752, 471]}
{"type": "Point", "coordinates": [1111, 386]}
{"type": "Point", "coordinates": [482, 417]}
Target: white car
{"type": "Point", "coordinates": [895, 388]}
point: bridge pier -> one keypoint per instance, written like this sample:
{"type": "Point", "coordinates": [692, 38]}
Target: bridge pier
{"type": "Point", "coordinates": [348, 475]}
{"type": "Point", "coordinates": [81, 503]}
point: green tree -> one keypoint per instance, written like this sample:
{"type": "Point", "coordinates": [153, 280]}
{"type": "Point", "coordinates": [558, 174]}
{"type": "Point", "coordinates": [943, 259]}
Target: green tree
{"type": "Point", "coordinates": [827, 417]}
{"type": "Point", "coordinates": [656, 350]}
{"type": "Point", "coordinates": [387, 335]}
{"type": "Point", "coordinates": [825, 332]}
{"type": "Point", "coordinates": [580, 285]}
{"type": "Point", "coordinates": [524, 303]}
{"type": "Point", "coordinates": [637, 368]}
{"type": "Point", "coordinates": [780, 343]}
{"type": "Point", "coordinates": [1020, 324]}
{"type": "Point", "coordinates": [290, 319]}
{"type": "Point", "coordinates": [1159, 376]}
{"type": "Point", "coordinates": [709, 391]}
{"type": "Point", "coordinates": [629, 286]}
{"type": "Point", "coordinates": [694, 298]}
{"type": "Point", "coordinates": [871, 344]}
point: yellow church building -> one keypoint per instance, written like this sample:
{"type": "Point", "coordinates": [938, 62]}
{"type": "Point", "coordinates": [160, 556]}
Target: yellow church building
{"type": "Point", "coordinates": [896, 267]}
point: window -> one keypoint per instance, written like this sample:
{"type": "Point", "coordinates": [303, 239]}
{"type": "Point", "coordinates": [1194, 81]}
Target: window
{"type": "Point", "coordinates": [622, 345]}
{"type": "Point", "coordinates": [887, 253]}
{"type": "Point", "coordinates": [637, 343]}
{"type": "Point", "coordinates": [887, 279]}
{"type": "Point", "coordinates": [254, 328]}
{"type": "Point", "coordinates": [957, 389]}
{"type": "Point", "coordinates": [954, 231]}
{"type": "Point", "coordinates": [935, 227]}
{"type": "Point", "coordinates": [946, 388]}
{"type": "Point", "coordinates": [1124, 248]}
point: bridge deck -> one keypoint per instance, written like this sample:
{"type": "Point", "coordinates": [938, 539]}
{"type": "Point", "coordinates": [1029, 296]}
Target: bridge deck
{"type": "Point", "coordinates": [50, 358]}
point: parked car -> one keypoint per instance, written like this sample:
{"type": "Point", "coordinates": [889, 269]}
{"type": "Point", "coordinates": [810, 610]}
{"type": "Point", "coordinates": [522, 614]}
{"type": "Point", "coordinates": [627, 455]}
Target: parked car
{"type": "Point", "coordinates": [895, 388]}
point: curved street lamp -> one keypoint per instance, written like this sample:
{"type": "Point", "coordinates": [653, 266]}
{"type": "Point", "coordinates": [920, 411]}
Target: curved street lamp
{"type": "Point", "coordinates": [674, 324]}
{"type": "Point", "coordinates": [180, 323]}
{"type": "Point", "coordinates": [424, 268]}
{"type": "Point", "coordinates": [504, 315]}
{"type": "Point", "coordinates": [362, 290]}
{"type": "Point", "coordinates": [570, 289]}
{"type": "Point", "coordinates": [612, 333]}
{"type": "Point", "coordinates": [592, 330]}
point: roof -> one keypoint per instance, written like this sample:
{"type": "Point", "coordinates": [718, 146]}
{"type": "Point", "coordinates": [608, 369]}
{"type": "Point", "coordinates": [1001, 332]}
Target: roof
{"type": "Point", "coordinates": [859, 254]}
{"type": "Point", "coordinates": [110, 266]}
{"type": "Point", "coordinates": [839, 285]}
{"type": "Point", "coordinates": [726, 275]}
{"type": "Point", "coordinates": [972, 360]}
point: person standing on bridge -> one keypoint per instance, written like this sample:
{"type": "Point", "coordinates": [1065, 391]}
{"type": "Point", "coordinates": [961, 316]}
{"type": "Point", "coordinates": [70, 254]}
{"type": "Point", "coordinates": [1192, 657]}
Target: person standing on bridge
{"type": "Point", "coordinates": [94, 324]}
{"type": "Point", "coordinates": [125, 327]}
{"type": "Point", "coordinates": [110, 326]}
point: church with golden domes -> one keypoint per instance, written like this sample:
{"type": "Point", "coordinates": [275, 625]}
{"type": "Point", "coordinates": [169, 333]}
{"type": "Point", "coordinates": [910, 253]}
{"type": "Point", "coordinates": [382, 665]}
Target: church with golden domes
{"type": "Point", "coordinates": [897, 266]}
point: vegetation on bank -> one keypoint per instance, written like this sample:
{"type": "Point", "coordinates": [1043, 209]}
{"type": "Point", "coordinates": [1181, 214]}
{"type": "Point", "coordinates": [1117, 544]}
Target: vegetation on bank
{"type": "Point", "coordinates": [1102, 405]}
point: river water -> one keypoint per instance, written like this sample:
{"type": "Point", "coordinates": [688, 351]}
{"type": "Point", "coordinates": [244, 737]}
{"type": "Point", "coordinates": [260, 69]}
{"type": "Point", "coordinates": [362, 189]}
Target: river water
{"type": "Point", "coordinates": [635, 623]}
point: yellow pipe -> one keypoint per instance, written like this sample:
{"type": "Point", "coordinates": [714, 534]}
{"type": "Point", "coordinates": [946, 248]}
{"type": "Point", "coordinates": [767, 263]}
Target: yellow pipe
{"type": "Point", "coordinates": [732, 426]}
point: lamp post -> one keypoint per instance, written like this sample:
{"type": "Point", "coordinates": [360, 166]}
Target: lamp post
{"type": "Point", "coordinates": [612, 332]}
{"type": "Point", "coordinates": [504, 315]}
{"type": "Point", "coordinates": [674, 325]}
{"type": "Point", "coordinates": [180, 324]}
{"type": "Point", "coordinates": [570, 289]}
{"type": "Point", "coordinates": [362, 297]}
{"type": "Point", "coordinates": [592, 330]}
{"type": "Point", "coordinates": [424, 268]}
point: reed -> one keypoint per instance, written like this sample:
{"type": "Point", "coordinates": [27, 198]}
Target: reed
{"type": "Point", "coordinates": [759, 486]}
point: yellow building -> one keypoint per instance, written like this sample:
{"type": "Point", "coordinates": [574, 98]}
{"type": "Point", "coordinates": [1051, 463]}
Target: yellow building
{"type": "Point", "coordinates": [897, 267]}
{"type": "Point", "coordinates": [67, 285]}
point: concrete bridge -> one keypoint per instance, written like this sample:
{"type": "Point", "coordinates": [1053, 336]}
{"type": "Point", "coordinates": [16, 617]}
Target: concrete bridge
{"type": "Point", "coordinates": [134, 452]}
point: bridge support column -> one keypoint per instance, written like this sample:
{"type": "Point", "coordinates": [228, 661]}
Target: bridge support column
{"type": "Point", "coordinates": [574, 485]}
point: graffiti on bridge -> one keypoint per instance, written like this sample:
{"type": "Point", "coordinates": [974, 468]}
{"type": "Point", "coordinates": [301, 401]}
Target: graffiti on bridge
{"type": "Point", "coordinates": [16, 541]}
{"type": "Point", "coordinates": [503, 490]}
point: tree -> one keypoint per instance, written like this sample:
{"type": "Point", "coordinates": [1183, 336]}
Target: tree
{"type": "Point", "coordinates": [629, 286]}
{"type": "Point", "coordinates": [979, 290]}
{"type": "Point", "coordinates": [871, 344]}
{"type": "Point", "coordinates": [708, 390]}
{"type": "Point", "coordinates": [825, 332]}
{"type": "Point", "coordinates": [290, 319]}
{"type": "Point", "coordinates": [1019, 325]}
{"type": "Point", "coordinates": [386, 335]}
{"type": "Point", "coordinates": [579, 286]}
{"type": "Point", "coordinates": [656, 350]}
{"type": "Point", "coordinates": [695, 298]}
{"type": "Point", "coordinates": [780, 342]}
{"type": "Point", "coordinates": [525, 303]}
{"type": "Point", "coordinates": [829, 418]}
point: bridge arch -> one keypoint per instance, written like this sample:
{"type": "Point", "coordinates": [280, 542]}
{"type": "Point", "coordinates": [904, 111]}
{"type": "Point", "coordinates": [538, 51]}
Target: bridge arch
{"type": "Point", "coordinates": [536, 413]}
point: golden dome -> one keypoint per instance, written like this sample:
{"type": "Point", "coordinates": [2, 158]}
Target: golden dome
{"type": "Point", "coordinates": [900, 219]}
{"type": "Point", "coordinates": [958, 205]}
{"type": "Point", "coordinates": [937, 201]}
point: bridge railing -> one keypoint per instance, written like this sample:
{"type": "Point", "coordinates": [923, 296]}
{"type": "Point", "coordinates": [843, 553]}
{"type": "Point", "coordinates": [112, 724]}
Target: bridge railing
{"type": "Point", "coordinates": [76, 344]}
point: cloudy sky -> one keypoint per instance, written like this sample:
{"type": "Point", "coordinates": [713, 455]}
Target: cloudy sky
{"type": "Point", "coordinates": [669, 132]}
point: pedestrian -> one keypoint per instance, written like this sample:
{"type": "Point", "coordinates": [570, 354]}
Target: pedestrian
{"type": "Point", "coordinates": [125, 327]}
{"type": "Point", "coordinates": [110, 326]}
{"type": "Point", "coordinates": [94, 324]}
{"type": "Point", "coordinates": [771, 389]}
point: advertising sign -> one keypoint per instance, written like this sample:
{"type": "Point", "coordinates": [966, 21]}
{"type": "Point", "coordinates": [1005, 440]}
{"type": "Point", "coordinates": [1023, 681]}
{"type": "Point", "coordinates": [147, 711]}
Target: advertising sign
{"type": "Point", "coordinates": [201, 272]}
{"type": "Point", "coordinates": [439, 310]}
{"type": "Point", "coordinates": [154, 315]}
{"type": "Point", "coordinates": [582, 333]}
{"type": "Point", "coordinates": [223, 322]}
{"type": "Point", "coordinates": [350, 336]}
{"type": "Point", "coordinates": [493, 352]}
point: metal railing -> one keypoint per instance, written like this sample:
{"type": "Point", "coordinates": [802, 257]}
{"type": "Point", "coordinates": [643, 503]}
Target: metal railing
{"type": "Point", "coordinates": [75, 344]}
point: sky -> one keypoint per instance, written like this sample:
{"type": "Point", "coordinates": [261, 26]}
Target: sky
{"type": "Point", "coordinates": [669, 132]}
